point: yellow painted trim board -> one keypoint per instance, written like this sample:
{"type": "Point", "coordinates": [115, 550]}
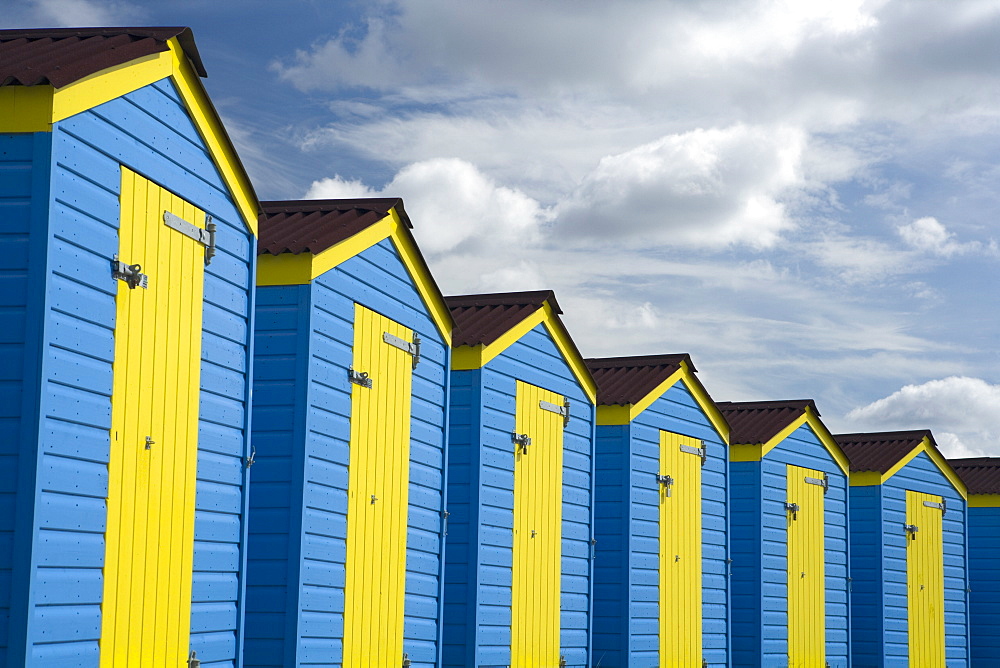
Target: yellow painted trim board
{"type": "Point", "coordinates": [984, 500]}
{"type": "Point", "coordinates": [302, 268]}
{"type": "Point", "coordinates": [868, 478]}
{"type": "Point", "coordinates": [465, 358]}
{"type": "Point", "coordinates": [623, 414]}
{"type": "Point", "coordinates": [754, 452]}
{"type": "Point", "coordinates": [36, 108]}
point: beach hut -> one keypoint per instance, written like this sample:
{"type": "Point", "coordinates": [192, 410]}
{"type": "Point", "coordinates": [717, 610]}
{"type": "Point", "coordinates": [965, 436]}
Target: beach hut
{"type": "Point", "coordinates": [520, 487]}
{"type": "Point", "coordinates": [908, 555]}
{"type": "Point", "coordinates": [789, 537]}
{"type": "Point", "coordinates": [981, 476]}
{"type": "Point", "coordinates": [128, 232]}
{"type": "Point", "coordinates": [661, 576]}
{"type": "Point", "coordinates": [347, 502]}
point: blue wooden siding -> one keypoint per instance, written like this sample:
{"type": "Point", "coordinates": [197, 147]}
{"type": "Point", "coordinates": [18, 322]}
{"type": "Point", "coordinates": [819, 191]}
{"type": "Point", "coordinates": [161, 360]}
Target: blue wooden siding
{"type": "Point", "coordinates": [298, 532]}
{"type": "Point", "coordinates": [626, 618]}
{"type": "Point", "coordinates": [880, 592]}
{"type": "Point", "coordinates": [759, 549]}
{"type": "Point", "coordinates": [150, 132]}
{"type": "Point", "coordinates": [480, 535]}
{"type": "Point", "coordinates": [984, 580]}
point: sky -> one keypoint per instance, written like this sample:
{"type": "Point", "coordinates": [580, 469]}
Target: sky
{"type": "Point", "coordinates": [801, 195]}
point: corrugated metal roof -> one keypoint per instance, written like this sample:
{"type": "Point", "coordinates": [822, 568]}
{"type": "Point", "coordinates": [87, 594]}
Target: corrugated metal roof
{"type": "Point", "coordinates": [626, 380]}
{"type": "Point", "coordinates": [980, 474]}
{"type": "Point", "coordinates": [58, 57]}
{"type": "Point", "coordinates": [482, 319]}
{"type": "Point", "coordinates": [757, 422]}
{"type": "Point", "coordinates": [312, 226]}
{"type": "Point", "coordinates": [880, 451]}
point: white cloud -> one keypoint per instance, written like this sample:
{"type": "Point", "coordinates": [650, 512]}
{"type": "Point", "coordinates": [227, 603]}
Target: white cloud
{"type": "Point", "coordinates": [71, 13]}
{"type": "Point", "coordinates": [963, 412]}
{"type": "Point", "coordinates": [929, 235]}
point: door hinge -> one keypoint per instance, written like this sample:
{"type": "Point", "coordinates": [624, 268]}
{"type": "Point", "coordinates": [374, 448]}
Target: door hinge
{"type": "Point", "coordinates": [666, 481]}
{"type": "Point", "coordinates": [130, 273]}
{"type": "Point", "coordinates": [794, 509]}
{"type": "Point", "coordinates": [406, 660]}
{"type": "Point", "coordinates": [253, 456]}
{"type": "Point", "coordinates": [823, 482]}
{"type": "Point", "coordinates": [404, 345]}
{"type": "Point", "coordinates": [912, 530]}
{"type": "Point", "coordinates": [206, 237]}
{"type": "Point", "coordinates": [521, 440]}
{"type": "Point", "coordinates": [557, 409]}
{"type": "Point", "coordinates": [692, 450]}
{"type": "Point", "coordinates": [940, 506]}
{"type": "Point", "coordinates": [359, 378]}
{"type": "Point", "coordinates": [193, 660]}
{"type": "Point", "coordinates": [562, 661]}
{"type": "Point", "coordinates": [444, 522]}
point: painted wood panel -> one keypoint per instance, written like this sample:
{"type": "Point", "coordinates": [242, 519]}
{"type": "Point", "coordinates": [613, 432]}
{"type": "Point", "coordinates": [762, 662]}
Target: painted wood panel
{"type": "Point", "coordinates": [925, 579]}
{"type": "Point", "coordinates": [377, 494]}
{"type": "Point", "coordinates": [806, 572]}
{"type": "Point", "coordinates": [984, 580]}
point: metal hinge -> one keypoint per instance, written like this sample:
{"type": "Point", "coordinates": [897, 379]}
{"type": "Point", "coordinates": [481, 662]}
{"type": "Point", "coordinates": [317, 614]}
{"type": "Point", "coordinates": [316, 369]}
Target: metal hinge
{"type": "Point", "coordinates": [911, 529]}
{"type": "Point", "coordinates": [206, 237]}
{"type": "Point", "coordinates": [253, 456]}
{"type": "Point", "coordinates": [824, 482]}
{"type": "Point", "coordinates": [521, 440]}
{"type": "Point", "coordinates": [404, 345]}
{"type": "Point", "coordinates": [794, 509]}
{"type": "Point", "coordinates": [940, 506]}
{"type": "Point", "coordinates": [562, 660]}
{"type": "Point", "coordinates": [444, 522]}
{"type": "Point", "coordinates": [557, 409]}
{"type": "Point", "coordinates": [130, 273]}
{"type": "Point", "coordinates": [193, 660]}
{"type": "Point", "coordinates": [359, 378]}
{"type": "Point", "coordinates": [666, 481]}
{"type": "Point", "coordinates": [692, 450]}
{"type": "Point", "coordinates": [406, 660]}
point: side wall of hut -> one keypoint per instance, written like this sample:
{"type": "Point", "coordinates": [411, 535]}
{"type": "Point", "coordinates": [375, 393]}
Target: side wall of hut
{"type": "Point", "coordinates": [984, 580]}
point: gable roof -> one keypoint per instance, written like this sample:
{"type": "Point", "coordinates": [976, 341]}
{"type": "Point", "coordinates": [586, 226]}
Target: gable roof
{"type": "Point", "coordinates": [48, 75]}
{"type": "Point", "coordinates": [759, 426]}
{"type": "Point", "coordinates": [980, 474]}
{"type": "Point", "coordinates": [626, 386]}
{"type": "Point", "coordinates": [303, 239]}
{"type": "Point", "coordinates": [487, 324]}
{"type": "Point", "coordinates": [877, 456]}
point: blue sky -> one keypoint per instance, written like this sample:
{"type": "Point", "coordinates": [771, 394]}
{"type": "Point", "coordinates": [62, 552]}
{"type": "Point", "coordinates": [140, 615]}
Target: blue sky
{"type": "Point", "coordinates": [801, 195]}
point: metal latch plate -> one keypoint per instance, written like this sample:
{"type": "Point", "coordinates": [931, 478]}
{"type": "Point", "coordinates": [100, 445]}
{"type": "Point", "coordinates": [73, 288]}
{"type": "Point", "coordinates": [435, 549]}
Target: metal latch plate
{"type": "Point", "coordinates": [359, 378]}
{"type": "Point", "coordinates": [130, 273]}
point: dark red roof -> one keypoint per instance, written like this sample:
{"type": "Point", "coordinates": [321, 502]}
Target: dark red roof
{"type": "Point", "coordinates": [882, 450]}
{"type": "Point", "coordinates": [482, 319]}
{"type": "Point", "coordinates": [980, 474]}
{"type": "Point", "coordinates": [312, 226]}
{"type": "Point", "coordinates": [58, 57]}
{"type": "Point", "coordinates": [757, 422]}
{"type": "Point", "coordinates": [626, 380]}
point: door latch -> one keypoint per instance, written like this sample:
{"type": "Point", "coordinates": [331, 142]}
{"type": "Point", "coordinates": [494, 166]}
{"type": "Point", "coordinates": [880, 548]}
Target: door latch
{"type": "Point", "coordinates": [359, 378]}
{"type": "Point", "coordinates": [193, 660]}
{"type": "Point", "coordinates": [521, 440]}
{"type": "Point", "coordinates": [252, 458]}
{"type": "Point", "coordinates": [666, 481]}
{"type": "Point", "coordinates": [912, 530]}
{"type": "Point", "coordinates": [130, 273]}
{"type": "Point", "coordinates": [794, 509]}
{"type": "Point", "coordinates": [150, 442]}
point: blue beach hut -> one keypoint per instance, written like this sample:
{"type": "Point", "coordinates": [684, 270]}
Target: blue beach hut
{"type": "Point", "coordinates": [661, 577]}
{"type": "Point", "coordinates": [520, 487]}
{"type": "Point", "coordinates": [128, 232]}
{"type": "Point", "coordinates": [789, 537]}
{"type": "Point", "coordinates": [908, 554]}
{"type": "Point", "coordinates": [981, 476]}
{"type": "Point", "coordinates": [347, 502]}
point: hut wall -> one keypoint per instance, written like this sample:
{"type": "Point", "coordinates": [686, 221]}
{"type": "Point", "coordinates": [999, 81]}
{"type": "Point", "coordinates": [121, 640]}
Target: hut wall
{"type": "Point", "coordinates": [984, 578]}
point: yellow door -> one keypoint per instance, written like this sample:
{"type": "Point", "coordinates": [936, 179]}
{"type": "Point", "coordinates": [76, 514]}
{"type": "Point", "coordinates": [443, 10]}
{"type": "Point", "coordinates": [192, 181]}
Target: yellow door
{"type": "Point", "coordinates": [377, 492]}
{"type": "Point", "coordinates": [149, 540]}
{"type": "Point", "coordinates": [806, 569]}
{"type": "Point", "coordinates": [680, 551]}
{"type": "Point", "coordinates": [925, 579]}
{"type": "Point", "coordinates": [534, 633]}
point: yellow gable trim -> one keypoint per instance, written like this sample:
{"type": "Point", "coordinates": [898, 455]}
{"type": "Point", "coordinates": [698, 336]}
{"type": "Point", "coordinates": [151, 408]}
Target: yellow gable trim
{"type": "Point", "coordinates": [754, 452]}
{"type": "Point", "coordinates": [868, 478]}
{"type": "Point", "coordinates": [465, 358]}
{"type": "Point", "coordinates": [615, 415]}
{"type": "Point", "coordinates": [36, 108]}
{"type": "Point", "coordinates": [302, 268]}
{"type": "Point", "coordinates": [984, 500]}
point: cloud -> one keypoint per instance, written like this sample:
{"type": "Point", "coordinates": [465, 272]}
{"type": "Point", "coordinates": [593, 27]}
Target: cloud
{"type": "Point", "coordinates": [71, 13]}
{"type": "Point", "coordinates": [701, 188]}
{"type": "Point", "coordinates": [928, 235]}
{"type": "Point", "coordinates": [456, 208]}
{"type": "Point", "coordinates": [963, 412]}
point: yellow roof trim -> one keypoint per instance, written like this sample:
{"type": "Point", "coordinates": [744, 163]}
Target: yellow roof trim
{"type": "Point", "coordinates": [36, 108]}
{"type": "Point", "coordinates": [465, 358]}
{"type": "Point", "coordinates": [615, 415]}
{"type": "Point", "coordinates": [984, 500]}
{"type": "Point", "coordinates": [754, 452]}
{"type": "Point", "coordinates": [302, 268]}
{"type": "Point", "coordinates": [867, 478]}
